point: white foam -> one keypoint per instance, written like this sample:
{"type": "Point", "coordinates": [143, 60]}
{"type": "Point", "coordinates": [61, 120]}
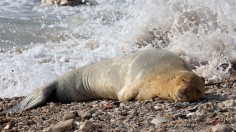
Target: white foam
{"type": "Point", "coordinates": [201, 32]}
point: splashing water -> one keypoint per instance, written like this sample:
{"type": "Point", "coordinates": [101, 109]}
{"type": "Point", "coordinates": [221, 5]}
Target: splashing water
{"type": "Point", "coordinates": [39, 43]}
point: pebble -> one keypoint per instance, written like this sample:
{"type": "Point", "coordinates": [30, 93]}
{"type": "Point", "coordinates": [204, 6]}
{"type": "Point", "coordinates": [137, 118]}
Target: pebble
{"type": "Point", "coordinates": [209, 106]}
{"type": "Point", "coordinates": [69, 115]}
{"type": "Point", "coordinates": [86, 126]}
{"type": "Point", "coordinates": [124, 113]}
{"type": "Point", "coordinates": [108, 106]}
{"type": "Point", "coordinates": [229, 103]}
{"type": "Point", "coordinates": [192, 114]}
{"type": "Point", "coordinates": [128, 116]}
{"type": "Point", "coordinates": [5, 120]}
{"type": "Point", "coordinates": [98, 113]}
{"type": "Point", "coordinates": [193, 109]}
{"type": "Point", "coordinates": [157, 108]}
{"type": "Point", "coordinates": [10, 124]}
{"type": "Point", "coordinates": [158, 120]}
{"type": "Point", "coordinates": [60, 126]}
{"type": "Point", "coordinates": [221, 128]}
{"type": "Point", "coordinates": [45, 110]}
{"type": "Point", "coordinates": [92, 111]}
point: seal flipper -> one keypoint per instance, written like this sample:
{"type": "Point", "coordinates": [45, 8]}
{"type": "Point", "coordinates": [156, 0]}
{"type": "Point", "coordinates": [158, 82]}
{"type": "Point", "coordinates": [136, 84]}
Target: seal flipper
{"type": "Point", "coordinates": [35, 99]}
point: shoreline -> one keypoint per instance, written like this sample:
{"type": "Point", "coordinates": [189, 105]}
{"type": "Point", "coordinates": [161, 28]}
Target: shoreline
{"type": "Point", "coordinates": [215, 111]}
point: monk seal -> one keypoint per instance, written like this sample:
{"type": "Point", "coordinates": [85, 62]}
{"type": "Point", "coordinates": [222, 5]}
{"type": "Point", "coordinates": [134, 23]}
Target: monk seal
{"type": "Point", "coordinates": [140, 76]}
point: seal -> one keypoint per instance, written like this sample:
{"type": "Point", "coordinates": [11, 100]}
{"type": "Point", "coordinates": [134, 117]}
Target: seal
{"type": "Point", "coordinates": [140, 76]}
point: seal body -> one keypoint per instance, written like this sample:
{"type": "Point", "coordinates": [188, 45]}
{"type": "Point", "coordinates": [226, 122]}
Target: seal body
{"type": "Point", "coordinates": [140, 76]}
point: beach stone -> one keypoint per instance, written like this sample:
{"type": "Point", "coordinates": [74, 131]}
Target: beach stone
{"type": "Point", "coordinates": [97, 113]}
{"type": "Point", "coordinates": [209, 106]}
{"type": "Point", "coordinates": [124, 113]}
{"type": "Point", "coordinates": [45, 110]}
{"type": "Point", "coordinates": [221, 128]}
{"type": "Point", "coordinates": [60, 126]}
{"type": "Point", "coordinates": [69, 115]}
{"type": "Point", "coordinates": [86, 126]}
{"type": "Point", "coordinates": [157, 108]}
{"type": "Point", "coordinates": [158, 120]}
{"type": "Point", "coordinates": [87, 116]}
{"type": "Point", "coordinates": [234, 85]}
{"type": "Point", "coordinates": [10, 124]}
{"type": "Point", "coordinates": [5, 120]}
{"type": "Point", "coordinates": [192, 114]}
{"type": "Point", "coordinates": [7, 127]}
{"type": "Point", "coordinates": [193, 109]}
{"type": "Point", "coordinates": [229, 103]}
{"type": "Point", "coordinates": [108, 106]}
{"type": "Point", "coordinates": [92, 111]}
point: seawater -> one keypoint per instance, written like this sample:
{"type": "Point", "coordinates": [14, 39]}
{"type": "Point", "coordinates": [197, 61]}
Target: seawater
{"type": "Point", "coordinates": [38, 43]}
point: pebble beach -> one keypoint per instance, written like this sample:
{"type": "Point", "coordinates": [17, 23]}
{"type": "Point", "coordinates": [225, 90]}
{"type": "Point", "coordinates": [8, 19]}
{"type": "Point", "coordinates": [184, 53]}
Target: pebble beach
{"type": "Point", "coordinates": [39, 43]}
{"type": "Point", "coordinates": [215, 112]}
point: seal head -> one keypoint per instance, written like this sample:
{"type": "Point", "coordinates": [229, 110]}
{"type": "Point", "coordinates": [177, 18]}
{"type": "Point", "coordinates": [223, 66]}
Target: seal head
{"type": "Point", "coordinates": [189, 87]}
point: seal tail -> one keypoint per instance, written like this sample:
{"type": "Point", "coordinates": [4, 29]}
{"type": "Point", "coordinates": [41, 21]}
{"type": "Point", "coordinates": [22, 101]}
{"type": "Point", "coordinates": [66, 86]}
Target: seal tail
{"type": "Point", "coordinates": [35, 99]}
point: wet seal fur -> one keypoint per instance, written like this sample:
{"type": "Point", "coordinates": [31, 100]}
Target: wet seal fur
{"type": "Point", "coordinates": [140, 76]}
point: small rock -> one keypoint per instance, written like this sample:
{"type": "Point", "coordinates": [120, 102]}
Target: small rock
{"type": "Point", "coordinates": [86, 126]}
{"type": "Point", "coordinates": [158, 120]}
{"type": "Point", "coordinates": [44, 118]}
{"type": "Point", "coordinates": [124, 113]}
{"type": "Point", "coordinates": [181, 116]}
{"type": "Point", "coordinates": [60, 126]}
{"type": "Point", "coordinates": [7, 127]}
{"type": "Point", "coordinates": [229, 103]}
{"type": "Point", "coordinates": [221, 128]}
{"type": "Point", "coordinates": [45, 110]}
{"type": "Point", "coordinates": [68, 115]}
{"type": "Point", "coordinates": [221, 105]}
{"type": "Point", "coordinates": [5, 120]}
{"type": "Point", "coordinates": [87, 116]}
{"type": "Point", "coordinates": [201, 107]}
{"type": "Point", "coordinates": [216, 121]}
{"type": "Point", "coordinates": [209, 107]}
{"type": "Point", "coordinates": [97, 113]}
{"type": "Point", "coordinates": [108, 106]}
{"type": "Point", "coordinates": [92, 111]}
{"type": "Point", "coordinates": [10, 124]}
{"type": "Point", "coordinates": [161, 130]}
{"type": "Point", "coordinates": [157, 108]}
{"type": "Point", "coordinates": [76, 124]}
{"type": "Point", "coordinates": [192, 114]}
{"type": "Point", "coordinates": [193, 109]}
